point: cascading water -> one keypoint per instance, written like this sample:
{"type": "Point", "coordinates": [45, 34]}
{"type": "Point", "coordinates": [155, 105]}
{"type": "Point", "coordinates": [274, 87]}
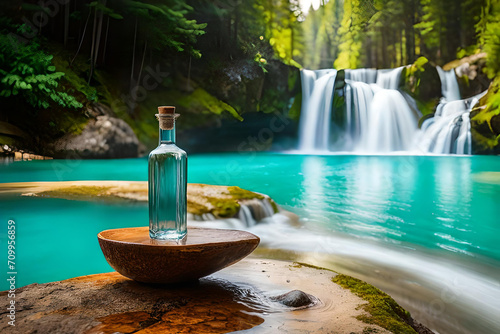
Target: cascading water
{"type": "Point", "coordinates": [376, 118]}
{"type": "Point", "coordinates": [317, 98]}
{"type": "Point", "coordinates": [449, 84]}
{"type": "Point", "coordinates": [448, 132]}
{"type": "Point", "coordinates": [389, 79]}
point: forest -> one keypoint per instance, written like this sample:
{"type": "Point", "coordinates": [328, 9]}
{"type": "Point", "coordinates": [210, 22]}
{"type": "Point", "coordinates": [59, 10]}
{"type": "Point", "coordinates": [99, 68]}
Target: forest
{"type": "Point", "coordinates": [223, 62]}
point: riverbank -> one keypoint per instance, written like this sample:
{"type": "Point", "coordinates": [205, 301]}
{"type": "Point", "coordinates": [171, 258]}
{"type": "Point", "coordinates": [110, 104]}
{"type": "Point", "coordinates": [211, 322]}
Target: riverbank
{"type": "Point", "coordinates": [265, 296]}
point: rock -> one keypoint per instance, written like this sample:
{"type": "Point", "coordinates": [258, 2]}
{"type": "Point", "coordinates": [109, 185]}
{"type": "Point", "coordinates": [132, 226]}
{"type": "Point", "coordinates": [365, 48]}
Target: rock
{"type": "Point", "coordinates": [421, 81]}
{"type": "Point", "coordinates": [230, 300]}
{"type": "Point", "coordinates": [470, 75]}
{"type": "Point", "coordinates": [295, 298]}
{"type": "Point", "coordinates": [205, 202]}
{"type": "Point", "coordinates": [98, 109]}
{"type": "Point", "coordinates": [105, 137]}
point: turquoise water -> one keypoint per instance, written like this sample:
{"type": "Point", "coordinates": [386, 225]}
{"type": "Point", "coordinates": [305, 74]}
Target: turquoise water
{"type": "Point", "coordinates": [434, 215]}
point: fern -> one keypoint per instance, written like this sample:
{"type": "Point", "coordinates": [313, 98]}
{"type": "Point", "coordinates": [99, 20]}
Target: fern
{"type": "Point", "coordinates": [28, 72]}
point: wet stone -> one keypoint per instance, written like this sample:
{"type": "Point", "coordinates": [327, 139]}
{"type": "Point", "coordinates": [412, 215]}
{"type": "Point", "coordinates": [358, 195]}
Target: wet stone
{"type": "Point", "coordinates": [295, 298]}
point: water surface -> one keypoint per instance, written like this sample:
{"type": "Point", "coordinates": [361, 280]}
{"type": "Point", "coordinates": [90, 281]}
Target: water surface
{"type": "Point", "coordinates": [423, 228]}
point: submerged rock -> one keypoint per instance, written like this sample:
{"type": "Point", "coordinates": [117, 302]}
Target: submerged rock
{"type": "Point", "coordinates": [295, 298]}
{"type": "Point", "coordinates": [105, 137]}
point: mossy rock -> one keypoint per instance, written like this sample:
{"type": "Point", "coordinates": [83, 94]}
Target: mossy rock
{"type": "Point", "coordinates": [485, 122]}
{"type": "Point", "coordinates": [421, 81]}
{"type": "Point", "coordinates": [381, 308]}
{"type": "Point", "coordinates": [220, 201]}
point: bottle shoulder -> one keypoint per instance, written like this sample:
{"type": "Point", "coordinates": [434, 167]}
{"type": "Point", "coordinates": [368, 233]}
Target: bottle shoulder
{"type": "Point", "coordinates": [168, 149]}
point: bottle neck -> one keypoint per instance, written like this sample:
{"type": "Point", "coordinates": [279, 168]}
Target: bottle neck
{"type": "Point", "coordinates": [167, 136]}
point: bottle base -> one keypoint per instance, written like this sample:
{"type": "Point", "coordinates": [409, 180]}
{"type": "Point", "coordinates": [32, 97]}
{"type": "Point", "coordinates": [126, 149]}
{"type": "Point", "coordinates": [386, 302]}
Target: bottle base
{"type": "Point", "coordinates": [171, 235]}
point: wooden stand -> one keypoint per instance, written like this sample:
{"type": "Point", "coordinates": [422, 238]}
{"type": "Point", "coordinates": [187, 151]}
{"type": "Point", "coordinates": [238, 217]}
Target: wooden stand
{"type": "Point", "coordinates": [132, 253]}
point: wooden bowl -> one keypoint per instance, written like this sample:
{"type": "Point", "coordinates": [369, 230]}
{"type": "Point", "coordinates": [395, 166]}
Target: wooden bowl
{"type": "Point", "coordinates": [132, 253]}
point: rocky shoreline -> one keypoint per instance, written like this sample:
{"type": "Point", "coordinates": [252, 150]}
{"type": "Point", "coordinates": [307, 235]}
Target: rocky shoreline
{"type": "Point", "coordinates": [263, 296]}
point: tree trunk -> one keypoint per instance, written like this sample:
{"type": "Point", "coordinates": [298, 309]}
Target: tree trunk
{"type": "Point", "coordinates": [105, 42]}
{"type": "Point", "coordinates": [99, 34]}
{"type": "Point", "coordinates": [93, 46]}
{"type": "Point", "coordinates": [66, 22]}
{"type": "Point", "coordinates": [401, 59]}
{"type": "Point", "coordinates": [133, 57]}
{"type": "Point", "coordinates": [83, 37]}
{"type": "Point", "coordinates": [189, 76]}
{"type": "Point", "coordinates": [142, 63]}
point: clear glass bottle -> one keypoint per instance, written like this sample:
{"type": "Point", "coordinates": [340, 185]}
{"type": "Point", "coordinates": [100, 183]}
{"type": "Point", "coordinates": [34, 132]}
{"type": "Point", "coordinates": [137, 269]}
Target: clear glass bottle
{"type": "Point", "coordinates": [167, 182]}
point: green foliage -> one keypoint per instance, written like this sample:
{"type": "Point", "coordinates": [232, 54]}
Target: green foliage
{"type": "Point", "coordinates": [488, 29]}
{"type": "Point", "coordinates": [164, 24]}
{"type": "Point", "coordinates": [281, 19]}
{"type": "Point", "coordinates": [28, 71]}
{"type": "Point", "coordinates": [260, 61]}
{"type": "Point", "coordinates": [294, 112]}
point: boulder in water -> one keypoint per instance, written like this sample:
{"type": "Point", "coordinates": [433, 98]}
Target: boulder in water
{"type": "Point", "coordinates": [295, 298]}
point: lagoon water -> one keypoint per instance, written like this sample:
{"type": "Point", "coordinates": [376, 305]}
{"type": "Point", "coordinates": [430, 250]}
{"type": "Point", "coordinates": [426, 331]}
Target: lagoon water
{"type": "Point", "coordinates": [423, 228]}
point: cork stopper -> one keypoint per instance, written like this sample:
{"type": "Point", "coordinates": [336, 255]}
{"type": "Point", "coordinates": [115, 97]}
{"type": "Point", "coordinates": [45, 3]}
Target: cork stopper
{"type": "Point", "coordinates": [166, 116]}
{"type": "Point", "coordinates": [166, 110]}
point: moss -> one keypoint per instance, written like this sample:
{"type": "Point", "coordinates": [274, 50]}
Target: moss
{"type": "Point", "coordinates": [381, 308]}
{"type": "Point", "coordinates": [294, 112]}
{"type": "Point", "coordinates": [485, 133]}
{"type": "Point", "coordinates": [76, 193]}
{"type": "Point", "coordinates": [201, 100]}
{"type": "Point", "coordinates": [301, 264]}
{"type": "Point", "coordinates": [238, 193]}
{"type": "Point", "coordinates": [223, 202]}
{"type": "Point", "coordinates": [220, 201]}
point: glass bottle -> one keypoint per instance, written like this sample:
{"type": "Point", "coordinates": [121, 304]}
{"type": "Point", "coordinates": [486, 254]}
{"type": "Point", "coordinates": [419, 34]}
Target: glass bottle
{"type": "Point", "coordinates": [167, 182]}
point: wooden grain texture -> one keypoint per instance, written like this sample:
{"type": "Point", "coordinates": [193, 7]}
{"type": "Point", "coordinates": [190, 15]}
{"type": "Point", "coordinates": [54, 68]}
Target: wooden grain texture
{"type": "Point", "coordinates": [131, 252]}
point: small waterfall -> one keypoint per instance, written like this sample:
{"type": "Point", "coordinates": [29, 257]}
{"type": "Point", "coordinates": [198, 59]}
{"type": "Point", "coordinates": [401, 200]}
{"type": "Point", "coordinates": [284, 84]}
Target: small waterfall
{"type": "Point", "coordinates": [448, 132]}
{"type": "Point", "coordinates": [449, 84]}
{"type": "Point", "coordinates": [389, 79]}
{"type": "Point", "coordinates": [251, 212]}
{"type": "Point", "coordinates": [317, 98]}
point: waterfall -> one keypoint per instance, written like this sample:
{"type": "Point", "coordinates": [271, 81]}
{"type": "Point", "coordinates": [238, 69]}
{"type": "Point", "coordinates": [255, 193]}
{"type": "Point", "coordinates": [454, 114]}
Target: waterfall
{"type": "Point", "coordinates": [317, 98]}
{"type": "Point", "coordinates": [250, 213]}
{"type": "Point", "coordinates": [449, 84]}
{"type": "Point", "coordinates": [372, 116]}
{"type": "Point", "coordinates": [448, 132]}
{"type": "Point", "coordinates": [366, 75]}
{"type": "Point", "coordinates": [389, 79]}
{"type": "Point", "coordinates": [392, 124]}
{"type": "Point", "coordinates": [385, 78]}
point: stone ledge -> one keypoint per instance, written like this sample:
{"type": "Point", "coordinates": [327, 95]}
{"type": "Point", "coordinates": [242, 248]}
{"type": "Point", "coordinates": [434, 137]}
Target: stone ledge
{"type": "Point", "coordinates": [243, 296]}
